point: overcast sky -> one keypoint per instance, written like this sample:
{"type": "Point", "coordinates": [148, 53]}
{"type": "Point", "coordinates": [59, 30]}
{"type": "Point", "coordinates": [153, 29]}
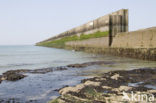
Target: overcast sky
{"type": "Point", "coordinates": [30, 21]}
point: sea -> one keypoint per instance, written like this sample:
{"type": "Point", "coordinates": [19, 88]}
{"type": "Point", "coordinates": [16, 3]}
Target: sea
{"type": "Point", "coordinates": [40, 88]}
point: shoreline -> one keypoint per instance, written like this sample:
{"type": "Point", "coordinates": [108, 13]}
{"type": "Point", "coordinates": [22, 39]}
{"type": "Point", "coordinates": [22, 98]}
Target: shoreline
{"type": "Point", "coordinates": [135, 53]}
{"type": "Point", "coordinates": [14, 75]}
{"type": "Point", "coordinates": [109, 88]}
{"type": "Point", "coordinates": [106, 84]}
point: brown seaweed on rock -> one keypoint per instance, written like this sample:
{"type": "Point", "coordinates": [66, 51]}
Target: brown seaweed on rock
{"type": "Point", "coordinates": [88, 64]}
{"type": "Point", "coordinates": [14, 75]}
{"type": "Point", "coordinates": [110, 86]}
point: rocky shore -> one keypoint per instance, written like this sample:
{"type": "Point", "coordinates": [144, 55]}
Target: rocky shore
{"type": "Point", "coordinates": [133, 86]}
{"type": "Point", "coordinates": [120, 86]}
{"type": "Point", "coordinates": [14, 75]}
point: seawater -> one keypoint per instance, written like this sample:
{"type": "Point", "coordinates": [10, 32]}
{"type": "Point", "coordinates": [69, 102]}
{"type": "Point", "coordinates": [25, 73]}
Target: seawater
{"type": "Point", "coordinates": [41, 88]}
{"type": "Point", "coordinates": [33, 57]}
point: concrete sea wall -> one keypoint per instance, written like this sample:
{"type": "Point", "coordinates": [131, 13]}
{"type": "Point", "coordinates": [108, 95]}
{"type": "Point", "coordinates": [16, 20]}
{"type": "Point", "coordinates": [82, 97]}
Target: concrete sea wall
{"type": "Point", "coordinates": [137, 39]}
{"type": "Point", "coordinates": [113, 23]}
{"type": "Point", "coordinates": [102, 42]}
{"type": "Point", "coordinates": [137, 44]}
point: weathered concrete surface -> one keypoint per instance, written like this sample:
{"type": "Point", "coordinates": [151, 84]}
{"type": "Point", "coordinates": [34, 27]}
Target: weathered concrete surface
{"type": "Point", "coordinates": [138, 53]}
{"type": "Point", "coordinates": [116, 22]}
{"type": "Point", "coordinates": [145, 38]}
{"type": "Point", "coordinates": [112, 87]}
{"type": "Point", "coordinates": [102, 42]}
{"type": "Point", "coordinates": [137, 44]}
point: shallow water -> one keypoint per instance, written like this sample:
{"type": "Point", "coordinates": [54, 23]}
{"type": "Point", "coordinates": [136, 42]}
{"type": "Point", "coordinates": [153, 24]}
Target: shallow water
{"type": "Point", "coordinates": [32, 57]}
{"type": "Point", "coordinates": [42, 87]}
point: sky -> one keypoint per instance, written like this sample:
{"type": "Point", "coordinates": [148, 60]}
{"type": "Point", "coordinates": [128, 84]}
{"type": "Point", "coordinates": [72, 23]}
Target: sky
{"type": "Point", "coordinates": [25, 22]}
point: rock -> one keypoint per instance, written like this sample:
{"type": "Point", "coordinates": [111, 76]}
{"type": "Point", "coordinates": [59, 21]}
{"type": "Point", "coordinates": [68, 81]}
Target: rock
{"type": "Point", "coordinates": [116, 76]}
{"type": "Point", "coordinates": [91, 83]}
{"type": "Point", "coordinates": [88, 64]}
{"type": "Point", "coordinates": [46, 70]}
{"type": "Point", "coordinates": [61, 68]}
{"type": "Point", "coordinates": [3, 78]}
{"type": "Point", "coordinates": [40, 71]}
{"type": "Point", "coordinates": [13, 76]}
{"type": "Point", "coordinates": [110, 86]}
{"type": "Point", "coordinates": [77, 65]}
{"type": "Point", "coordinates": [122, 88]}
{"type": "Point", "coordinates": [0, 78]}
{"type": "Point", "coordinates": [106, 87]}
{"type": "Point", "coordinates": [71, 89]}
{"type": "Point", "coordinates": [15, 72]}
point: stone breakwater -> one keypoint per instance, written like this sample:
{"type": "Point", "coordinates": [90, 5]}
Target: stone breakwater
{"type": "Point", "coordinates": [121, 86]}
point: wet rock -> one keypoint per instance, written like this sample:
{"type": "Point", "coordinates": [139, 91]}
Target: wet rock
{"type": "Point", "coordinates": [109, 87]}
{"type": "Point", "coordinates": [71, 89]}
{"type": "Point", "coordinates": [116, 76]}
{"type": "Point", "coordinates": [57, 90]}
{"type": "Point", "coordinates": [40, 71]}
{"type": "Point", "coordinates": [89, 64]}
{"type": "Point", "coordinates": [77, 65]}
{"type": "Point", "coordinates": [61, 88]}
{"type": "Point", "coordinates": [61, 68]}
{"type": "Point", "coordinates": [13, 75]}
{"type": "Point", "coordinates": [11, 100]}
{"type": "Point", "coordinates": [0, 78]}
{"type": "Point", "coordinates": [91, 83]}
